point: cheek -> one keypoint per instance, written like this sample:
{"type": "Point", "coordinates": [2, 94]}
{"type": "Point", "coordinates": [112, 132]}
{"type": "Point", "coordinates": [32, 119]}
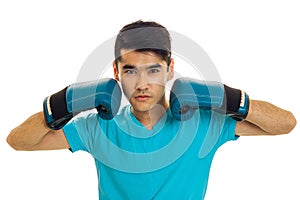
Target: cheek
{"type": "Point", "coordinates": [160, 79]}
{"type": "Point", "coordinates": [128, 87]}
{"type": "Point", "coordinates": [160, 89]}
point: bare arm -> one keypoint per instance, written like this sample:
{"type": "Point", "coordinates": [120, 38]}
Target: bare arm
{"type": "Point", "coordinates": [33, 134]}
{"type": "Point", "coordinates": [266, 119]}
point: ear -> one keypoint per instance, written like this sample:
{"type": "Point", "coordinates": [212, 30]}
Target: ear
{"type": "Point", "coordinates": [116, 71]}
{"type": "Point", "coordinates": [171, 70]}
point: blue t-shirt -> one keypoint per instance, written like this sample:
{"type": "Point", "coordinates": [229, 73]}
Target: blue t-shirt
{"type": "Point", "coordinates": [171, 161]}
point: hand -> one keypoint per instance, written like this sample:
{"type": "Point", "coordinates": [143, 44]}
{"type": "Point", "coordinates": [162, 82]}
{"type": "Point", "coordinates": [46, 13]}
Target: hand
{"type": "Point", "coordinates": [103, 94]}
{"type": "Point", "coordinates": [188, 94]}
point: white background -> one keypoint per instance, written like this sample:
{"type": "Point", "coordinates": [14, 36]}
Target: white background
{"type": "Point", "coordinates": [255, 46]}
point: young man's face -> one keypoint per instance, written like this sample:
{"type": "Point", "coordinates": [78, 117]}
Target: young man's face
{"type": "Point", "coordinates": [143, 76]}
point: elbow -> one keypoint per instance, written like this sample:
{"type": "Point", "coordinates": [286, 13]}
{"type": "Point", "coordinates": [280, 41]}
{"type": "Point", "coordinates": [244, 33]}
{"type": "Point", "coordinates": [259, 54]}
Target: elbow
{"type": "Point", "coordinates": [290, 124]}
{"type": "Point", "coordinates": [13, 142]}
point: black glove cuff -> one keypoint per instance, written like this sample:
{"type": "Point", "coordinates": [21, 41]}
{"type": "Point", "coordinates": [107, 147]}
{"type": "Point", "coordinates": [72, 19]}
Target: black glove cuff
{"type": "Point", "coordinates": [232, 99]}
{"type": "Point", "coordinates": [58, 104]}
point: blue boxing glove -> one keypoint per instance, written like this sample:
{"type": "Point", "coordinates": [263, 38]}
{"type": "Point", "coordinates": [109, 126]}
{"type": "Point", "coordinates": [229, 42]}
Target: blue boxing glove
{"type": "Point", "coordinates": [103, 94]}
{"type": "Point", "coordinates": [188, 94]}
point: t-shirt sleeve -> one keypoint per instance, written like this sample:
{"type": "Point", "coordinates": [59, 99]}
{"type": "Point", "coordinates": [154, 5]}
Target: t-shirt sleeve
{"type": "Point", "coordinates": [228, 130]}
{"type": "Point", "coordinates": [220, 129]}
{"type": "Point", "coordinates": [71, 131]}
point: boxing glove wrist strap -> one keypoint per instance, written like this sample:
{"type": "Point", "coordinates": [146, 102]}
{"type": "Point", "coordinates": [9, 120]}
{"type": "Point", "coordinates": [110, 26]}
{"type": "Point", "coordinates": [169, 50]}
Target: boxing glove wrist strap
{"type": "Point", "coordinates": [55, 110]}
{"type": "Point", "coordinates": [236, 102]}
{"type": "Point", "coordinates": [58, 104]}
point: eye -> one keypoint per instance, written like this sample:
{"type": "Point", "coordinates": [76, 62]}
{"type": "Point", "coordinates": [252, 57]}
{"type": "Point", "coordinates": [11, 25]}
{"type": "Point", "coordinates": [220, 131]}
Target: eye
{"type": "Point", "coordinates": [130, 71]}
{"type": "Point", "coordinates": [154, 70]}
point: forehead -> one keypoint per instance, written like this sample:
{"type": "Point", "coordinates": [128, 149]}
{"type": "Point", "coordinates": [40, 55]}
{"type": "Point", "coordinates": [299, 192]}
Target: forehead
{"type": "Point", "coordinates": [140, 58]}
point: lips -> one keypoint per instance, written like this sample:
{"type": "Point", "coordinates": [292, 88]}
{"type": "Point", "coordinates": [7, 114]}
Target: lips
{"type": "Point", "coordinates": [142, 97]}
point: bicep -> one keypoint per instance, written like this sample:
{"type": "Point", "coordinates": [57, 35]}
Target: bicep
{"type": "Point", "coordinates": [53, 140]}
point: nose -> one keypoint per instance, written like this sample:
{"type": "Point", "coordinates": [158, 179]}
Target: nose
{"type": "Point", "coordinates": [142, 81]}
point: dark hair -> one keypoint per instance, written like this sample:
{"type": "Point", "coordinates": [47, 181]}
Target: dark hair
{"type": "Point", "coordinates": [144, 36]}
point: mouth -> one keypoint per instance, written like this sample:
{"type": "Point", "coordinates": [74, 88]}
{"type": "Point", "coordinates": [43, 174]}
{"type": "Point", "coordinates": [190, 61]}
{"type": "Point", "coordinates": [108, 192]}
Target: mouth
{"type": "Point", "coordinates": [142, 97]}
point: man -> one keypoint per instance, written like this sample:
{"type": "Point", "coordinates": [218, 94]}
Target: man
{"type": "Point", "coordinates": [153, 148]}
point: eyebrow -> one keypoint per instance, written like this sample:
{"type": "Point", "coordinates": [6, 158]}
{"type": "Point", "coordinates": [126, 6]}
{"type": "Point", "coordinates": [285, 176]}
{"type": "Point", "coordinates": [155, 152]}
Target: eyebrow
{"type": "Point", "coordinates": [157, 65]}
{"type": "Point", "coordinates": [154, 66]}
{"type": "Point", "coordinates": [128, 67]}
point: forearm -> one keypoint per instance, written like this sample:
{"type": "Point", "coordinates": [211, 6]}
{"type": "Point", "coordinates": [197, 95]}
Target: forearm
{"type": "Point", "coordinates": [270, 118]}
{"type": "Point", "coordinates": [29, 133]}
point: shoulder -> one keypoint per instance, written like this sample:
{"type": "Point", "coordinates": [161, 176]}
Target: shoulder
{"type": "Point", "coordinates": [93, 116]}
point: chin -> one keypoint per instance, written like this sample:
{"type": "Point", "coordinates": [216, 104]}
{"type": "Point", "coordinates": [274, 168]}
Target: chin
{"type": "Point", "coordinates": [141, 107]}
